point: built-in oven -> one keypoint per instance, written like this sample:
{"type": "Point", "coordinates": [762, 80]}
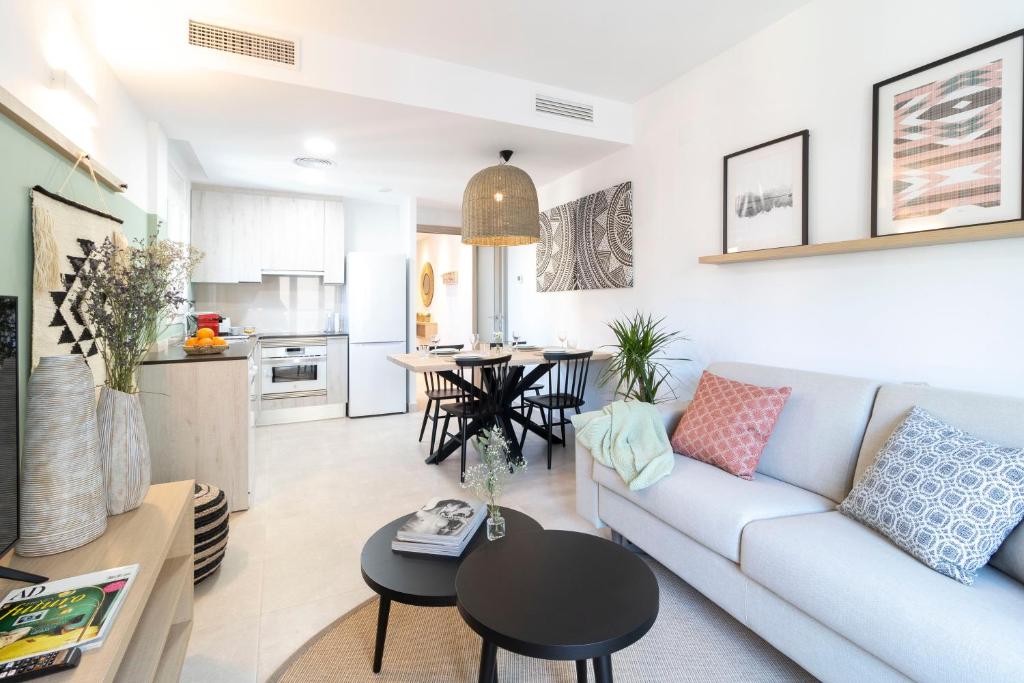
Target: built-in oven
{"type": "Point", "coordinates": [293, 368]}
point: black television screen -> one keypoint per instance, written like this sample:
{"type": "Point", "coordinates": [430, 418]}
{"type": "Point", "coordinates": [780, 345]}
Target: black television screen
{"type": "Point", "coordinates": [8, 422]}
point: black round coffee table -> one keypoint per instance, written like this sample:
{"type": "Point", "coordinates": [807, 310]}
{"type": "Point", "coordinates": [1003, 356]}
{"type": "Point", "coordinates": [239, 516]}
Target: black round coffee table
{"type": "Point", "coordinates": [421, 580]}
{"type": "Point", "coordinates": [557, 595]}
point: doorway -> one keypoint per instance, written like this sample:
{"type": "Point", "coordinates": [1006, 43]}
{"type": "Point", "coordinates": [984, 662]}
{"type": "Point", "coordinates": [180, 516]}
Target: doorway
{"type": "Point", "coordinates": [445, 305]}
{"type": "Point", "coordinates": [491, 292]}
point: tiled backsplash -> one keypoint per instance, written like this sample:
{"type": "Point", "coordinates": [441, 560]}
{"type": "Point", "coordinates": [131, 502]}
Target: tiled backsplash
{"type": "Point", "coordinates": [281, 303]}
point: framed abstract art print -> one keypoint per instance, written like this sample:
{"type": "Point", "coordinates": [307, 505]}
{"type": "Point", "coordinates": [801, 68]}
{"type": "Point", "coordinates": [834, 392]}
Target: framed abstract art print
{"type": "Point", "coordinates": [948, 141]}
{"type": "Point", "coordinates": [764, 203]}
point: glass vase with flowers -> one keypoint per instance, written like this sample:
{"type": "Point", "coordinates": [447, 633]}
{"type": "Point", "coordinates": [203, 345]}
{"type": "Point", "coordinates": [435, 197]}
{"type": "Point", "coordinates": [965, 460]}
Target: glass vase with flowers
{"type": "Point", "coordinates": [488, 478]}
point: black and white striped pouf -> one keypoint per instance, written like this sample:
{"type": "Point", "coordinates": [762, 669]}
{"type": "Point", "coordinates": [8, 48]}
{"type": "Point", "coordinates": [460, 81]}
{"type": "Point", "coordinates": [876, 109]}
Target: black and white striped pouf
{"type": "Point", "coordinates": [211, 511]}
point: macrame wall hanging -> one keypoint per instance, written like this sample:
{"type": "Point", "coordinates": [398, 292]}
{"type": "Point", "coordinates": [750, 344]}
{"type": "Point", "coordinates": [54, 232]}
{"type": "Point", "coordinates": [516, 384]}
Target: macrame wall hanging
{"type": "Point", "coordinates": [64, 234]}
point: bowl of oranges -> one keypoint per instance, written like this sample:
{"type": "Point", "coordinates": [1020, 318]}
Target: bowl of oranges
{"type": "Point", "coordinates": [205, 342]}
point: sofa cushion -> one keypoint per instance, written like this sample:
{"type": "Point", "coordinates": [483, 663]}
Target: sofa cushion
{"type": "Point", "coordinates": [712, 506]}
{"type": "Point", "coordinates": [856, 582]}
{"type": "Point", "coordinates": [946, 497]}
{"type": "Point", "coordinates": [817, 437]}
{"type": "Point", "coordinates": [728, 423]}
{"type": "Point", "coordinates": [993, 418]}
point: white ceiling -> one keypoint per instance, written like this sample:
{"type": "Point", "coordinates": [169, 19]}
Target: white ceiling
{"type": "Point", "coordinates": [619, 49]}
{"type": "Point", "coordinates": [422, 136]}
{"type": "Point", "coordinates": [247, 132]}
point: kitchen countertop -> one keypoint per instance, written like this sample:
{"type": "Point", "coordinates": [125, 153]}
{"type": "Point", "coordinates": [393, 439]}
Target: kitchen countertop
{"type": "Point", "coordinates": [238, 350]}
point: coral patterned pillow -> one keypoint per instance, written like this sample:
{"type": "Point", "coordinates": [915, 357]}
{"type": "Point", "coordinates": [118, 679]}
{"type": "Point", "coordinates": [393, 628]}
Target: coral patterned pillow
{"type": "Point", "coordinates": [728, 423]}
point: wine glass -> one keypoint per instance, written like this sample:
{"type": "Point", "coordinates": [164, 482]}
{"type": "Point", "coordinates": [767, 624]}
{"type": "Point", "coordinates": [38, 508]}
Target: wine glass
{"type": "Point", "coordinates": [435, 340]}
{"type": "Point", "coordinates": [562, 336]}
{"type": "Point", "coordinates": [474, 341]}
{"type": "Point", "coordinates": [515, 339]}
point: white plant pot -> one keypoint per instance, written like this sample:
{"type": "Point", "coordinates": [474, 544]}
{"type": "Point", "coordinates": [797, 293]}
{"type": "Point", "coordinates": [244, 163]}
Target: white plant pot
{"type": "Point", "coordinates": [62, 498]}
{"type": "Point", "coordinates": [124, 450]}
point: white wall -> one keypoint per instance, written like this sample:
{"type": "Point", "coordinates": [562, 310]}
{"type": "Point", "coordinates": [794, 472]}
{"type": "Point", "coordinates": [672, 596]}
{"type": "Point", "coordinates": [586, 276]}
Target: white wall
{"type": "Point", "coordinates": [948, 315]}
{"type": "Point", "coordinates": [432, 215]}
{"type": "Point", "coordinates": [372, 226]}
{"type": "Point", "coordinates": [38, 37]}
{"type": "Point", "coordinates": [452, 305]}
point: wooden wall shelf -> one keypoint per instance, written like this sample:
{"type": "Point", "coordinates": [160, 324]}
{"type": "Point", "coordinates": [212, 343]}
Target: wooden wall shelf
{"type": "Point", "coordinates": [19, 113]}
{"type": "Point", "coordinates": [973, 233]}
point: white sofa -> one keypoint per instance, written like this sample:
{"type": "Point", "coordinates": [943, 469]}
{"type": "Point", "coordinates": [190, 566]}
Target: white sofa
{"type": "Point", "coordinates": [836, 597]}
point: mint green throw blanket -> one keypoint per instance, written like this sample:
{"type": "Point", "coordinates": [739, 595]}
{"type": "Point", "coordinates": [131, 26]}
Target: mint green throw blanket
{"type": "Point", "coordinates": [630, 437]}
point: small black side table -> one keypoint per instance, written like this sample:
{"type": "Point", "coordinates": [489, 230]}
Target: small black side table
{"type": "Point", "coordinates": [557, 595]}
{"type": "Point", "coordinates": [421, 580]}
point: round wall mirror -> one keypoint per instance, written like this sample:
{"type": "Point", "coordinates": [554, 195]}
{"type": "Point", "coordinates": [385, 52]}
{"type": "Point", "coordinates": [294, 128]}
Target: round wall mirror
{"type": "Point", "coordinates": [427, 284]}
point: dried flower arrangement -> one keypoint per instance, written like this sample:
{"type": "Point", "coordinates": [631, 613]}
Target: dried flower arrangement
{"type": "Point", "coordinates": [130, 293]}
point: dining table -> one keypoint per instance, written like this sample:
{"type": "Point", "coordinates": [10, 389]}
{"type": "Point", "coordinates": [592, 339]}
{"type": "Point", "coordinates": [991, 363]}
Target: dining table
{"type": "Point", "coordinates": [526, 368]}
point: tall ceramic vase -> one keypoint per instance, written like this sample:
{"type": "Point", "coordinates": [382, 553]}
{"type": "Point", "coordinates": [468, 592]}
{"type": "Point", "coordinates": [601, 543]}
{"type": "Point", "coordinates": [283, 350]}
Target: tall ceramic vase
{"type": "Point", "coordinates": [124, 450]}
{"type": "Point", "coordinates": [63, 505]}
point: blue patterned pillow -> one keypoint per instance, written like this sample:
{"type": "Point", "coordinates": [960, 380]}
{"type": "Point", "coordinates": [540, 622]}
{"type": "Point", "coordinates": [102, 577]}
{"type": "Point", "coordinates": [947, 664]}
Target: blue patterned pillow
{"type": "Point", "coordinates": [946, 497]}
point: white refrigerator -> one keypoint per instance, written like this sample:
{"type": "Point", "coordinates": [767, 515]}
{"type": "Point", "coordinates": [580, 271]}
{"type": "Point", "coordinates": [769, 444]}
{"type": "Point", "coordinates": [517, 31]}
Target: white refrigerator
{"type": "Point", "coordinates": [378, 323]}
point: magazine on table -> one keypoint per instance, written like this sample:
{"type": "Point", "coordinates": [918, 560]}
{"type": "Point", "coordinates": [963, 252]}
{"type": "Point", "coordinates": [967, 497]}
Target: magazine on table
{"type": "Point", "coordinates": [444, 526]}
{"type": "Point", "coordinates": [74, 612]}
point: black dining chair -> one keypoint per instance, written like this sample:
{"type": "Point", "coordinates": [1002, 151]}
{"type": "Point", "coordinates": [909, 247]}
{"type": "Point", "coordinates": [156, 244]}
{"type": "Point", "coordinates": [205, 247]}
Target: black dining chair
{"type": "Point", "coordinates": [490, 375]}
{"type": "Point", "coordinates": [439, 389]}
{"type": "Point", "coordinates": [567, 380]}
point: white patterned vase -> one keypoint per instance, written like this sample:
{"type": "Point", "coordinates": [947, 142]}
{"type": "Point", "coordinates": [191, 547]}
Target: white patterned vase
{"type": "Point", "coordinates": [63, 505]}
{"type": "Point", "coordinates": [124, 450]}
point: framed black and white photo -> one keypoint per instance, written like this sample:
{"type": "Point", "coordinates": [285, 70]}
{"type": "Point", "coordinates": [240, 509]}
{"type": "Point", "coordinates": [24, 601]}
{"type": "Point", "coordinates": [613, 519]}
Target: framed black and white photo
{"type": "Point", "coordinates": [765, 195]}
{"type": "Point", "coordinates": [948, 141]}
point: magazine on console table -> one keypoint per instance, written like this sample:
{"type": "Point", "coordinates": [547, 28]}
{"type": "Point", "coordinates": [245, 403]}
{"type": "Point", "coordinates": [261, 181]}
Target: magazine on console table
{"type": "Point", "coordinates": [74, 612]}
{"type": "Point", "coordinates": [444, 526]}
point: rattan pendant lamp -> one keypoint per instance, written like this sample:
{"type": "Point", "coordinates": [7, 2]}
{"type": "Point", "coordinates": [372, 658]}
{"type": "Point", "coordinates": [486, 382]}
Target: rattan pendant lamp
{"type": "Point", "coordinates": [499, 207]}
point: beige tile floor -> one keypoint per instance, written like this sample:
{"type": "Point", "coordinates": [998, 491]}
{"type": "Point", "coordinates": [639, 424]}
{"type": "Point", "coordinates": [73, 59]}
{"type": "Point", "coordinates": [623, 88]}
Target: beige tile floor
{"type": "Point", "coordinates": [322, 488]}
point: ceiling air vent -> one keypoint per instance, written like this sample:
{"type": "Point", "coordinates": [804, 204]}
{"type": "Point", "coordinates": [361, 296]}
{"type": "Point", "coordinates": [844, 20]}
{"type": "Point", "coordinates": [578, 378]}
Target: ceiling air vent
{"type": "Point", "coordinates": [244, 43]}
{"type": "Point", "coordinates": [567, 110]}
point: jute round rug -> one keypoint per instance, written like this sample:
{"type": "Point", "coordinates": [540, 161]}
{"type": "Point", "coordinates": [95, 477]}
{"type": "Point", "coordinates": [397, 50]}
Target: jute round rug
{"type": "Point", "coordinates": [693, 640]}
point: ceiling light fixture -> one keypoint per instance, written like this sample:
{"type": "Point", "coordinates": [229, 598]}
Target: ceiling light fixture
{"type": "Point", "coordinates": [499, 207]}
{"type": "Point", "coordinates": [313, 162]}
{"type": "Point", "coordinates": [320, 147]}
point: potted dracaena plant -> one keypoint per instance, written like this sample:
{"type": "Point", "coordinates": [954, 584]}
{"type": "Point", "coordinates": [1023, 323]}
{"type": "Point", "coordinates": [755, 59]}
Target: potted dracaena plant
{"type": "Point", "coordinates": [131, 291]}
{"type": "Point", "coordinates": [638, 365]}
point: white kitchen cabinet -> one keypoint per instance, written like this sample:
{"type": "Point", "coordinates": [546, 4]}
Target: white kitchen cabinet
{"type": "Point", "coordinates": [226, 228]}
{"type": "Point", "coordinates": [337, 369]}
{"type": "Point", "coordinates": [249, 210]}
{"type": "Point", "coordinates": [244, 235]}
{"type": "Point", "coordinates": [334, 243]}
{"type": "Point", "coordinates": [212, 233]}
{"type": "Point", "coordinates": [292, 235]}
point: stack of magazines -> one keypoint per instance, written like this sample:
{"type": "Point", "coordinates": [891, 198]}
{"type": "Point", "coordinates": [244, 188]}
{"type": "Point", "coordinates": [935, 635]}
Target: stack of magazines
{"type": "Point", "coordinates": [444, 526]}
{"type": "Point", "coordinates": [52, 616]}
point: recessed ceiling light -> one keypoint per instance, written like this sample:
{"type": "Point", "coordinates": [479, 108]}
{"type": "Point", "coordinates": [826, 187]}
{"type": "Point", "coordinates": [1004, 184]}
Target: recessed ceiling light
{"type": "Point", "coordinates": [320, 147]}
{"type": "Point", "coordinates": [313, 162]}
{"type": "Point", "coordinates": [384, 189]}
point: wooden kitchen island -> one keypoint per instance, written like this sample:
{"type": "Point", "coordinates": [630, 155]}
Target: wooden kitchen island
{"type": "Point", "coordinates": [200, 418]}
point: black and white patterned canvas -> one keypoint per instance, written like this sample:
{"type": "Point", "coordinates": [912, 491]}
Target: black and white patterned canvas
{"type": "Point", "coordinates": [946, 497]}
{"type": "Point", "coordinates": [587, 243]}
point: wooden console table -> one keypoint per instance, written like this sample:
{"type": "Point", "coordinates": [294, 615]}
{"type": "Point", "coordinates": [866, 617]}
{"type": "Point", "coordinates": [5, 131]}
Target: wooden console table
{"type": "Point", "coordinates": [150, 635]}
